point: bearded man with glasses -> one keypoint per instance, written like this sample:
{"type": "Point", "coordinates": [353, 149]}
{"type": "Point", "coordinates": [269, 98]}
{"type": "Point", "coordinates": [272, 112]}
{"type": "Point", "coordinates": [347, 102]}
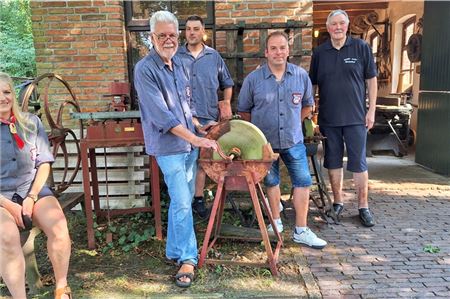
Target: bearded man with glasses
{"type": "Point", "coordinates": [167, 114]}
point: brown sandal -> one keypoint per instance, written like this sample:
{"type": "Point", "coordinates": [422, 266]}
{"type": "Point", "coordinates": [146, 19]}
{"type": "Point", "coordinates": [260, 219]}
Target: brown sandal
{"type": "Point", "coordinates": [63, 291]}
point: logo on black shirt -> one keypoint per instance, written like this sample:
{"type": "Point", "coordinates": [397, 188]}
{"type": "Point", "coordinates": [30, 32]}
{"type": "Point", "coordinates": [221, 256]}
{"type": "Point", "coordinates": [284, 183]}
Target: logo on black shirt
{"type": "Point", "coordinates": [350, 60]}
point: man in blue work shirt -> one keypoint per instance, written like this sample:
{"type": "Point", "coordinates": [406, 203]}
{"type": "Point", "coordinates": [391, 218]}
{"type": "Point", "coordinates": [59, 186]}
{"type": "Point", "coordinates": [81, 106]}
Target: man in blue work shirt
{"type": "Point", "coordinates": [341, 67]}
{"type": "Point", "coordinates": [167, 118]}
{"type": "Point", "coordinates": [208, 74]}
{"type": "Point", "coordinates": [276, 98]}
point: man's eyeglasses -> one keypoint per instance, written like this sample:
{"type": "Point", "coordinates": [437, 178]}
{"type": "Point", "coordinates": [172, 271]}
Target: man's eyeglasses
{"type": "Point", "coordinates": [163, 37]}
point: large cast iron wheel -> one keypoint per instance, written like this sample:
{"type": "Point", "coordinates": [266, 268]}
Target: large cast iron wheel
{"type": "Point", "coordinates": [57, 98]}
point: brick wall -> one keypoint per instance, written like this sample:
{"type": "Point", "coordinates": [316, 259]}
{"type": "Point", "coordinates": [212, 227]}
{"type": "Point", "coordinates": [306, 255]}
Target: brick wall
{"type": "Point", "coordinates": [84, 41]}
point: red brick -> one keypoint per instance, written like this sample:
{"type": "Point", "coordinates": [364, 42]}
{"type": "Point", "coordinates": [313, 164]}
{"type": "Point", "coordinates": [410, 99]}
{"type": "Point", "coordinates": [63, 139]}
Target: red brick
{"type": "Point", "coordinates": [243, 13]}
{"type": "Point", "coordinates": [223, 6]}
{"type": "Point", "coordinates": [259, 5]}
{"type": "Point", "coordinates": [93, 17]}
{"type": "Point", "coordinates": [65, 52]}
{"type": "Point", "coordinates": [86, 10]}
{"type": "Point", "coordinates": [63, 38]}
{"type": "Point", "coordinates": [83, 44]}
{"type": "Point", "coordinates": [60, 45]}
{"type": "Point", "coordinates": [110, 10]}
{"type": "Point", "coordinates": [75, 31]}
{"type": "Point", "coordinates": [262, 13]}
{"type": "Point", "coordinates": [290, 4]}
{"type": "Point", "coordinates": [115, 16]}
{"type": "Point", "coordinates": [74, 18]}
{"type": "Point", "coordinates": [56, 11]}
{"type": "Point", "coordinates": [84, 51]}
{"type": "Point", "coordinates": [220, 14]}
{"type": "Point", "coordinates": [283, 13]}
{"type": "Point", "coordinates": [53, 4]}
{"type": "Point", "coordinates": [79, 3]}
{"type": "Point", "coordinates": [84, 58]}
{"type": "Point", "coordinates": [56, 18]}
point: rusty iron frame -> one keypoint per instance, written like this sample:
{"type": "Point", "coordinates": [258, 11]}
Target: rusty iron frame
{"type": "Point", "coordinates": [238, 175]}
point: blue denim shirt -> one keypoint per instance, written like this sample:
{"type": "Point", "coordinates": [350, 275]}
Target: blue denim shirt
{"type": "Point", "coordinates": [164, 102]}
{"type": "Point", "coordinates": [275, 107]}
{"type": "Point", "coordinates": [19, 166]}
{"type": "Point", "coordinates": [208, 72]}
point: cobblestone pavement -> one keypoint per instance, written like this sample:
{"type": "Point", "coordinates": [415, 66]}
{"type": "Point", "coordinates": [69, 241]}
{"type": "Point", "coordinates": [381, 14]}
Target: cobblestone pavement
{"type": "Point", "coordinates": [411, 207]}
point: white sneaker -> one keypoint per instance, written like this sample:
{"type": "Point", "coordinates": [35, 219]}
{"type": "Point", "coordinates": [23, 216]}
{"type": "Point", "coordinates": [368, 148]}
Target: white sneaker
{"type": "Point", "coordinates": [279, 225]}
{"type": "Point", "coordinates": [308, 238]}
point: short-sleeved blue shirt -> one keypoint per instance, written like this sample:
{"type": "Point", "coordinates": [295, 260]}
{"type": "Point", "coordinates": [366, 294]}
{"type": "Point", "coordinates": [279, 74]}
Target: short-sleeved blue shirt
{"type": "Point", "coordinates": [340, 75]}
{"type": "Point", "coordinates": [208, 72]}
{"type": "Point", "coordinates": [164, 102]}
{"type": "Point", "coordinates": [19, 166]}
{"type": "Point", "coordinates": [275, 107]}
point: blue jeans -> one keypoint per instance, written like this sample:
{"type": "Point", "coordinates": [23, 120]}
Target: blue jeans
{"type": "Point", "coordinates": [179, 174]}
{"type": "Point", "coordinates": [297, 165]}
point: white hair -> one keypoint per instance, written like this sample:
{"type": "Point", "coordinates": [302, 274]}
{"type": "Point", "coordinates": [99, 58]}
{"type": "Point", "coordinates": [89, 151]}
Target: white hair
{"type": "Point", "coordinates": [336, 13]}
{"type": "Point", "coordinates": [163, 17]}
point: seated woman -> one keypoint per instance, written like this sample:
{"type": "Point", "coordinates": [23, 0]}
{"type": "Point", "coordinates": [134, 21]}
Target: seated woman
{"type": "Point", "coordinates": [24, 168]}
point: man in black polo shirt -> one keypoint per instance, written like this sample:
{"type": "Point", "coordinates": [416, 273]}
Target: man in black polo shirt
{"type": "Point", "coordinates": [341, 68]}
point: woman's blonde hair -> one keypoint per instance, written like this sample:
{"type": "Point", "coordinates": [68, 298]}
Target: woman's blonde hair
{"type": "Point", "coordinates": [22, 119]}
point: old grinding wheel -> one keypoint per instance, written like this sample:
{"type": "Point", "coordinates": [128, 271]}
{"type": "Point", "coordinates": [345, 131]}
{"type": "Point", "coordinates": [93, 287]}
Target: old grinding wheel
{"type": "Point", "coordinates": [240, 141]}
{"type": "Point", "coordinates": [246, 137]}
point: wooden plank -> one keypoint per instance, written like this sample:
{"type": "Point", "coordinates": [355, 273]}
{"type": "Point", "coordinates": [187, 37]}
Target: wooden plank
{"type": "Point", "coordinates": [111, 161]}
{"type": "Point", "coordinates": [119, 203]}
{"type": "Point", "coordinates": [114, 175]}
{"type": "Point", "coordinates": [113, 189]}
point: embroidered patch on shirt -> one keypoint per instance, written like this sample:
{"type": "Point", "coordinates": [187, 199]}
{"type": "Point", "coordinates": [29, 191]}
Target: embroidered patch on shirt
{"type": "Point", "coordinates": [296, 98]}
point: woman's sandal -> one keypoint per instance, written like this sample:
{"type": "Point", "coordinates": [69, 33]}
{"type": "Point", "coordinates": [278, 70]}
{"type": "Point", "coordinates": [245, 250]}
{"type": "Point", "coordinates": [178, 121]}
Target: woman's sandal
{"type": "Point", "coordinates": [63, 291]}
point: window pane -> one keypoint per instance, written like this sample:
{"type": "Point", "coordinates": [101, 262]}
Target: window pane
{"type": "Point", "coordinates": [375, 44]}
{"type": "Point", "coordinates": [408, 32]}
{"type": "Point", "coordinates": [140, 45]}
{"type": "Point", "coordinates": [406, 80]}
{"type": "Point", "coordinates": [183, 9]}
{"type": "Point", "coordinates": [144, 9]}
{"type": "Point", "coordinates": [406, 64]}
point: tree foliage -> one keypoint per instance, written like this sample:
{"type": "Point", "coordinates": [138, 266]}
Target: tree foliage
{"type": "Point", "coordinates": [17, 56]}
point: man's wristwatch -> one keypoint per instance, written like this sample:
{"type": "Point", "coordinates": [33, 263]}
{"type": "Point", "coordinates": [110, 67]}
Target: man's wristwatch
{"type": "Point", "coordinates": [34, 197]}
